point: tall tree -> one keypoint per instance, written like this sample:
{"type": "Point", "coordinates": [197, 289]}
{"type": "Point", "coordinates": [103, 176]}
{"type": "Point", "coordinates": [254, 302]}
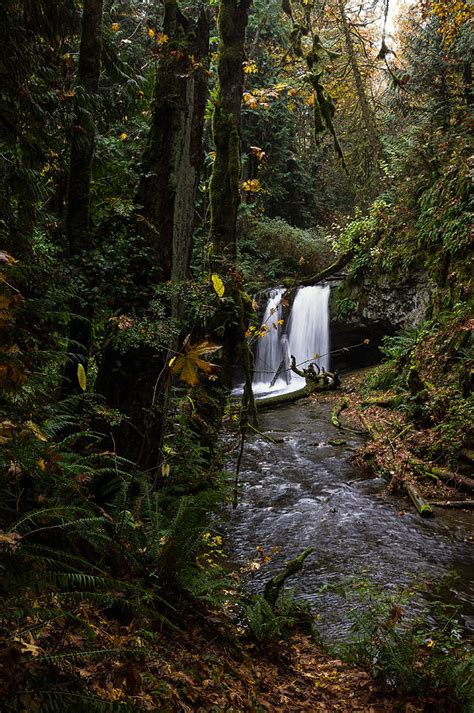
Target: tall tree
{"type": "Point", "coordinates": [80, 175]}
{"type": "Point", "coordinates": [173, 156]}
{"type": "Point", "coordinates": [224, 202]}
{"type": "Point", "coordinates": [166, 196]}
{"type": "Point", "coordinates": [83, 130]}
{"type": "Point", "coordinates": [224, 187]}
{"type": "Point", "coordinates": [365, 108]}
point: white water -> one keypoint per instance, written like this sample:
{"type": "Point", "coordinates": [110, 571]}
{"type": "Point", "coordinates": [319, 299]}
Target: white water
{"type": "Point", "coordinates": [309, 326]}
{"type": "Point", "coordinates": [307, 333]}
{"type": "Point", "coordinates": [268, 352]}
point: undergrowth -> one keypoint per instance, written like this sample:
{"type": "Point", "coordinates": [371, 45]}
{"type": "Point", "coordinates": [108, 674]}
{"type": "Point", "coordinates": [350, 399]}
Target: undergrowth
{"type": "Point", "coordinates": [270, 250]}
{"type": "Point", "coordinates": [410, 650]}
{"type": "Point", "coordinates": [429, 367]}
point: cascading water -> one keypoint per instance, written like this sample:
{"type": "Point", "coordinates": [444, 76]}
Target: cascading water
{"type": "Point", "coordinates": [268, 353]}
{"type": "Point", "coordinates": [305, 335]}
{"type": "Point", "coordinates": [309, 326]}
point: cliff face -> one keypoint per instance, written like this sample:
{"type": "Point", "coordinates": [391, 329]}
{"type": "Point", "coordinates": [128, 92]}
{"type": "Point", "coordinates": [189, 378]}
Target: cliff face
{"type": "Point", "coordinates": [372, 309]}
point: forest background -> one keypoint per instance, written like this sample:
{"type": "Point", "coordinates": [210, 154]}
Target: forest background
{"type": "Point", "coordinates": [160, 163]}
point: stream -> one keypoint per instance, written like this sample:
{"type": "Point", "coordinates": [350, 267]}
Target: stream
{"type": "Point", "coordinates": [303, 492]}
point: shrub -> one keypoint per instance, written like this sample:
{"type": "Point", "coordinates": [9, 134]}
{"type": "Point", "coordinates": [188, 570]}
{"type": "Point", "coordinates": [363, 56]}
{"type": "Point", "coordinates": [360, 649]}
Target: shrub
{"type": "Point", "coordinates": [410, 653]}
{"type": "Point", "coordinates": [271, 249]}
{"type": "Point", "coordinates": [268, 624]}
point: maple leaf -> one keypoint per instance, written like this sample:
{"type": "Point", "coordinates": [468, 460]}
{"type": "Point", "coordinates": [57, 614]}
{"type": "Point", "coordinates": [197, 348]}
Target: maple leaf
{"type": "Point", "coordinates": [186, 366]}
{"type": "Point", "coordinates": [218, 285]}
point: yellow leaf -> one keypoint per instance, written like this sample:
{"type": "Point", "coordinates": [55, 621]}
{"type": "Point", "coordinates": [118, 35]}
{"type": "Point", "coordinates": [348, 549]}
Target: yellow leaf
{"type": "Point", "coordinates": [41, 464]}
{"type": "Point", "coordinates": [187, 365]}
{"type": "Point", "coordinates": [81, 377]}
{"type": "Point", "coordinates": [36, 430]}
{"type": "Point", "coordinates": [171, 361]}
{"type": "Point", "coordinates": [218, 285]}
{"type": "Point", "coordinates": [165, 470]}
{"type": "Point", "coordinates": [151, 32]}
{"type": "Point", "coordinates": [123, 136]}
{"type": "Point", "coordinates": [29, 647]}
{"type": "Point", "coordinates": [250, 68]}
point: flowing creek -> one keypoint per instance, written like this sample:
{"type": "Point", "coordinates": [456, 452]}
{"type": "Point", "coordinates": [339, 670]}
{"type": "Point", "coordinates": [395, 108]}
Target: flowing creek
{"type": "Point", "coordinates": [303, 492]}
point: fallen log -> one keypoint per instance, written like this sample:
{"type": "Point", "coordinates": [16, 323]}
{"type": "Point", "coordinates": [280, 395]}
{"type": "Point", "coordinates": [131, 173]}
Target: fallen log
{"type": "Point", "coordinates": [281, 399]}
{"type": "Point", "coordinates": [458, 504]}
{"type": "Point", "coordinates": [420, 504]}
{"type": "Point", "coordinates": [336, 266]}
{"type": "Point", "coordinates": [383, 401]}
{"type": "Point", "coordinates": [274, 585]}
{"type": "Point", "coordinates": [336, 412]}
{"type": "Point", "coordinates": [463, 482]}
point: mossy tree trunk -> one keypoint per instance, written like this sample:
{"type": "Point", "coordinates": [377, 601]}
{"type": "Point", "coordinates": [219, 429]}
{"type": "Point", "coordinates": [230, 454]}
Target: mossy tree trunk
{"type": "Point", "coordinates": [225, 180]}
{"type": "Point", "coordinates": [78, 232]}
{"type": "Point", "coordinates": [173, 157]}
{"type": "Point", "coordinates": [231, 321]}
{"type": "Point", "coordinates": [365, 108]}
{"type": "Point", "coordinates": [136, 382]}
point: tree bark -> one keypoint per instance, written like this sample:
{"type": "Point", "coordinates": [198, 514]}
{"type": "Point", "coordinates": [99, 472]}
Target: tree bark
{"type": "Point", "coordinates": [224, 187]}
{"type": "Point", "coordinates": [166, 195]}
{"type": "Point", "coordinates": [79, 180]}
{"type": "Point", "coordinates": [83, 130]}
{"type": "Point", "coordinates": [367, 113]}
{"type": "Point", "coordinates": [173, 157]}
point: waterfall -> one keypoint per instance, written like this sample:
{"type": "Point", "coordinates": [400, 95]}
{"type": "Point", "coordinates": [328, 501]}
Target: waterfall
{"type": "Point", "coordinates": [268, 352]}
{"type": "Point", "coordinates": [305, 335]}
{"type": "Point", "coordinates": [309, 326]}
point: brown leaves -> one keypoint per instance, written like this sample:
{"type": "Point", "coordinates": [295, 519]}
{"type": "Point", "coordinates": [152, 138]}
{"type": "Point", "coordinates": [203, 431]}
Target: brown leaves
{"type": "Point", "coordinates": [6, 258]}
{"type": "Point", "coordinates": [11, 374]}
{"type": "Point", "coordinates": [187, 365]}
{"type": "Point", "coordinates": [7, 431]}
{"type": "Point", "coordinates": [6, 304]}
{"type": "Point", "coordinates": [10, 539]}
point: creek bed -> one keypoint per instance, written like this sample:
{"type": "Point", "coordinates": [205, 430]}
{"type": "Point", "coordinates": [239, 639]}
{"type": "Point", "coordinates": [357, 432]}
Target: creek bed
{"type": "Point", "coordinates": [304, 492]}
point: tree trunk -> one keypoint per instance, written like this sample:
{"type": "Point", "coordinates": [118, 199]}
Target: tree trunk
{"type": "Point", "coordinates": [173, 157]}
{"type": "Point", "coordinates": [224, 187]}
{"type": "Point", "coordinates": [230, 321]}
{"type": "Point", "coordinates": [166, 195]}
{"type": "Point", "coordinates": [367, 114]}
{"type": "Point", "coordinates": [79, 182]}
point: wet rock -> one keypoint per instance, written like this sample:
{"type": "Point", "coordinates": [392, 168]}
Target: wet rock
{"type": "Point", "coordinates": [371, 310]}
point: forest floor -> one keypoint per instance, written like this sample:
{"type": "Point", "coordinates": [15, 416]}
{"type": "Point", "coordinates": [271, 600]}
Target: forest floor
{"type": "Point", "coordinates": [394, 444]}
{"type": "Point", "coordinates": [202, 667]}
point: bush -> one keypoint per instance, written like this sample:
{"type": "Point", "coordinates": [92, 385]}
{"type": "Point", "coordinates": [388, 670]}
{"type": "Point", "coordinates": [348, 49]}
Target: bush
{"type": "Point", "coordinates": [268, 624]}
{"type": "Point", "coordinates": [412, 654]}
{"type": "Point", "coordinates": [271, 249]}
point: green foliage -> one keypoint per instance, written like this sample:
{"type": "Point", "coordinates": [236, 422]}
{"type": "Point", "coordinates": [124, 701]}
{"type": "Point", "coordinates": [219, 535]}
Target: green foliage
{"type": "Point", "coordinates": [384, 377]}
{"type": "Point", "coordinates": [271, 249]}
{"type": "Point", "coordinates": [344, 309]}
{"type": "Point", "coordinates": [267, 624]}
{"type": "Point", "coordinates": [411, 653]}
{"type": "Point", "coordinates": [439, 353]}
